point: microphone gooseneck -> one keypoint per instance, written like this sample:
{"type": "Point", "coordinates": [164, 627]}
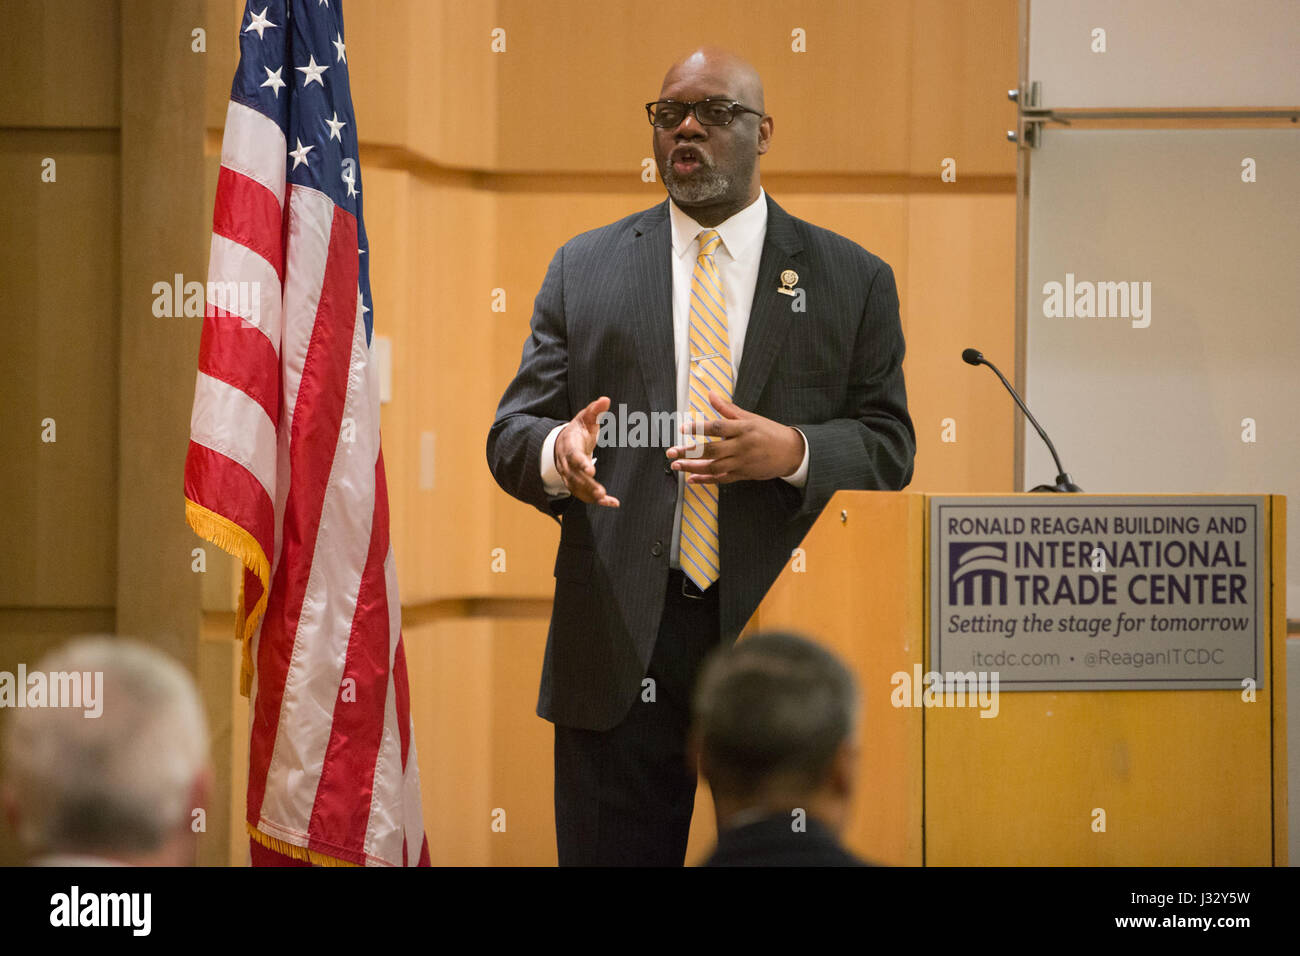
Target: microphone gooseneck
{"type": "Point", "coordinates": [1064, 483]}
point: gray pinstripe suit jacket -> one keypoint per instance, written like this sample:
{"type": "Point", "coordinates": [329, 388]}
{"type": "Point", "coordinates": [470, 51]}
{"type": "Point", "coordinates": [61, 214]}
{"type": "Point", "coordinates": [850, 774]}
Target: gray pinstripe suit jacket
{"type": "Point", "coordinates": [602, 325]}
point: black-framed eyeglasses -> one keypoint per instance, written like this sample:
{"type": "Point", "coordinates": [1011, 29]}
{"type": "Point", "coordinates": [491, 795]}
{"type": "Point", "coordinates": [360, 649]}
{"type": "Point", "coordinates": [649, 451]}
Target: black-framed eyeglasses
{"type": "Point", "coordinates": [668, 114]}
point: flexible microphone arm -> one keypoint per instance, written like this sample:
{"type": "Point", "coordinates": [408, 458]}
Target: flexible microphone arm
{"type": "Point", "coordinates": [1064, 483]}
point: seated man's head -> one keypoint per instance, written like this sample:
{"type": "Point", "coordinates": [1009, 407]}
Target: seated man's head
{"type": "Point", "coordinates": [774, 728]}
{"type": "Point", "coordinates": [119, 777]}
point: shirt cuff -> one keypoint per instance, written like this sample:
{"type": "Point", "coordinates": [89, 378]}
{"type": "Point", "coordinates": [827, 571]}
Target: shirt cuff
{"type": "Point", "coordinates": [552, 483]}
{"type": "Point", "coordinates": [800, 476]}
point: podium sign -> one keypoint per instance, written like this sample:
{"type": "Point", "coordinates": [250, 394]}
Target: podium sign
{"type": "Point", "coordinates": [1120, 592]}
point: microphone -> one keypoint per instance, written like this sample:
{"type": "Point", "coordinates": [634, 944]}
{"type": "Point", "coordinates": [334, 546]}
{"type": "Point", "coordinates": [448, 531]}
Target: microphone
{"type": "Point", "coordinates": [1064, 483]}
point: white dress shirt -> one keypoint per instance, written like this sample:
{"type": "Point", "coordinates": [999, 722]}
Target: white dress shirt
{"type": "Point", "coordinates": [737, 259]}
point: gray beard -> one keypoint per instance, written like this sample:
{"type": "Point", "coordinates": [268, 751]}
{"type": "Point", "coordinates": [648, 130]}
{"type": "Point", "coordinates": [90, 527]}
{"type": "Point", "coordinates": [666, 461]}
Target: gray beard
{"type": "Point", "coordinates": [705, 186]}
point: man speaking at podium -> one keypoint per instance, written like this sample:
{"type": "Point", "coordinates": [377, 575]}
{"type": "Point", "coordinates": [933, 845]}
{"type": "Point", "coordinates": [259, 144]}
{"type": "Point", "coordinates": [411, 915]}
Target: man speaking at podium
{"type": "Point", "coordinates": [774, 343]}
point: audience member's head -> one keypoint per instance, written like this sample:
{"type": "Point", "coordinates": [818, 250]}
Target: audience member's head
{"type": "Point", "coordinates": [120, 786]}
{"type": "Point", "coordinates": [775, 721]}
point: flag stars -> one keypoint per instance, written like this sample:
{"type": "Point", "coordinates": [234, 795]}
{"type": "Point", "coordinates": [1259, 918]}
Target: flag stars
{"type": "Point", "coordinates": [273, 80]}
{"type": "Point", "coordinates": [338, 45]}
{"type": "Point", "coordinates": [350, 179]}
{"type": "Point", "coordinates": [260, 23]}
{"type": "Point", "coordinates": [361, 302]}
{"type": "Point", "coordinates": [336, 126]}
{"type": "Point", "coordinates": [300, 155]}
{"type": "Point", "coordinates": [312, 73]}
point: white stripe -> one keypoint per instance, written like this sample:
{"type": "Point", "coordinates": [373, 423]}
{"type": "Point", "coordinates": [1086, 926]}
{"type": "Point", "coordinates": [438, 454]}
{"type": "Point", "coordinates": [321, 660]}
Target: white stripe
{"type": "Point", "coordinates": [386, 822]}
{"type": "Point", "coordinates": [311, 217]}
{"type": "Point", "coordinates": [226, 420]}
{"type": "Point", "coordinates": [325, 624]}
{"type": "Point", "coordinates": [254, 145]}
{"type": "Point", "coordinates": [412, 808]}
{"type": "Point", "coordinates": [257, 298]}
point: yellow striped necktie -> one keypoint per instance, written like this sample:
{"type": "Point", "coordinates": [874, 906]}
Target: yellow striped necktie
{"type": "Point", "coordinates": [710, 370]}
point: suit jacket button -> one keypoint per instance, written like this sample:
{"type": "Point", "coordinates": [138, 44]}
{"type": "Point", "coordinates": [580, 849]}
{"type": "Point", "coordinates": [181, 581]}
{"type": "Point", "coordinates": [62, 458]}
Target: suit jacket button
{"type": "Point", "coordinates": [657, 548]}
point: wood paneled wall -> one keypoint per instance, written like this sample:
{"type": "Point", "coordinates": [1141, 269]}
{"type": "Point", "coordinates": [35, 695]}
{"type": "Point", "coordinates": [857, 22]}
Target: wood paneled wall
{"type": "Point", "coordinates": [476, 166]}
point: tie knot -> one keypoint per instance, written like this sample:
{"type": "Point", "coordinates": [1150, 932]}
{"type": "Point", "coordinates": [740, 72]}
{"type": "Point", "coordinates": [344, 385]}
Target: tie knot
{"type": "Point", "coordinates": [709, 240]}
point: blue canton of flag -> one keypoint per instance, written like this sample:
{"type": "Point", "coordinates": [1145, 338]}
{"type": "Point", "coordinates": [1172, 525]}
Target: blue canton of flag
{"type": "Point", "coordinates": [293, 68]}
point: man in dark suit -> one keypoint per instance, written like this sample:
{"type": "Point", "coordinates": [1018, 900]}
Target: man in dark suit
{"type": "Point", "coordinates": [775, 733]}
{"type": "Point", "coordinates": [776, 347]}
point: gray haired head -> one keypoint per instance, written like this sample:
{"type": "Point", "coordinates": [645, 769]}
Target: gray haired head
{"type": "Point", "coordinates": [117, 784]}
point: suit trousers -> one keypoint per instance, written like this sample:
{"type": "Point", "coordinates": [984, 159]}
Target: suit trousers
{"type": "Point", "coordinates": [624, 797]}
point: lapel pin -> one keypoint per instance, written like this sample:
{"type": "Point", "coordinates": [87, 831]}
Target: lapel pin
{"type": "Point", "coordinates": [788, 278]}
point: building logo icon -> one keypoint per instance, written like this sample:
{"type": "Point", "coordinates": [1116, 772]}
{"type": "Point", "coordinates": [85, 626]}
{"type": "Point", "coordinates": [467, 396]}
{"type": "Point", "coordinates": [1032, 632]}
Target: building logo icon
{"type": "Point", "coordinates": [977, 572]}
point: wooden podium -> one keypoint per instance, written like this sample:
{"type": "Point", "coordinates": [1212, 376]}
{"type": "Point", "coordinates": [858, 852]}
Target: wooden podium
{"type": "Point", "coordinates": [1180, 777]}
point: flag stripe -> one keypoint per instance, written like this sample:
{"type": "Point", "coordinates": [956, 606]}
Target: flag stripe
{"type": "Point", "coordinates": [234, 352]}
{"type": "Point", "coordinates": [330, 599]}
{"type": "Point", "coordinates": [226, 487]}
{"type": "Point", "coordinates": [313, 438]}
{"type": "Point", "coordinates": [356, 733]}
{"type": "Point", "coordinates": [245, 213]}
{"type": "Point", "coordinates": [230, 262]}
{"type": "Point", "coordinates": [229, 421]}
{"type": "Point", "coordinates": [384, 827]}
{"type": "Point", "coordinates": [253, 145]}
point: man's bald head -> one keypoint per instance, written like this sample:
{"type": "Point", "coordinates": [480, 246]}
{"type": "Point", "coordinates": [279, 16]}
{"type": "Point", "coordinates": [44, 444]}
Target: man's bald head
{"type": "Point", "coordinates": [710, 168]}
{"type": "Point", "coordinates": [721, 68]}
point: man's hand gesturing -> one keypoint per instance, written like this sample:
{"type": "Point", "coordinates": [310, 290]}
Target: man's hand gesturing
{"type": "Point", "coordinates": [573, 447]}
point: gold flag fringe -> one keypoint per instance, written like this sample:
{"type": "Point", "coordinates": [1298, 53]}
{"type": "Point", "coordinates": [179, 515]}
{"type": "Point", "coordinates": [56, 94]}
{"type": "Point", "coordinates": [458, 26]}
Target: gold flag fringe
{"type": "Point", "coordinates": [292, 850]}
{"type": "Point", "coordinates": [233, 539]}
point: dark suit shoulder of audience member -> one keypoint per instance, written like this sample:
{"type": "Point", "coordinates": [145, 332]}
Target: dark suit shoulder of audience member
{"type": "Point", "coordinates": [772, 841]}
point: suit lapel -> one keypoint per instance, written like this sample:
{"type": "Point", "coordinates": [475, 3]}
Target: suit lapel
{"type": "Point", "coordinates": [770, 315]}
{"type": "Point", "coordinates": [652, 306]}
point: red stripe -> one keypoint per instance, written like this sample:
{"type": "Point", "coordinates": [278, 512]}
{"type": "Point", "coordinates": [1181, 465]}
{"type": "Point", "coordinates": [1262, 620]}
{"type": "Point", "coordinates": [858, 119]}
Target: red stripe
{"type": "Point", "coordinates": [318, 413]}
{"type": "Point", "coordinates": [424, 852]}
{"type": "Point", "coordinates": [403, 700]}
{"type": "Point", "coordinates": [224, 486]}
{"type": "Point", "coordinates": [247, 212]}
{"type": "Point", "coordinates": [241, 356]}
{"type": "Point", "coordinates": [343, 796]}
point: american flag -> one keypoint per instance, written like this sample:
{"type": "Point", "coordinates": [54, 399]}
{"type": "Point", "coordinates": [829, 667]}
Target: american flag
{"type": "Point", "coordinates": [284, 468]}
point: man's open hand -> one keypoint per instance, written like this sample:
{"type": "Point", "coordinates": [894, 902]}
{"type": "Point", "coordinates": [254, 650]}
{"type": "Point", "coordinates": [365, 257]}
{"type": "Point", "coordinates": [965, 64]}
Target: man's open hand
{"type": "Point", "coordinates": [573, 455]}
{"type": "Point", "coordinates": [745, 447]}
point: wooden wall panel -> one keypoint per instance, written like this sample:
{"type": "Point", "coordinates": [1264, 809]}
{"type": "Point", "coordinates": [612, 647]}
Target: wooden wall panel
{"type": "Point", "coordinates": [841, 106]}
{"type": "Point", "coordinates": [484, 754]}
{"type": "Point", "coordinates": [450, 668]}
{"type": "Point", "coordinates": [164, 231]}
{"type": "Point", "coordinates": [964, 61]}
{"type": "Point", "coordinates": [960, 293]}
{"type": "Point", "coordinates": [60, 242]}
{"type": "Point", "coordinates": [61, 63]}
{"type": "Point", "coordinates": [432, 282]}
{"type": "Point", "coordinates": [225, 20]}
{"type": "Point", "coordinates": [424, 78]}
{"type": "Point", "coordinates": [523, 747]}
